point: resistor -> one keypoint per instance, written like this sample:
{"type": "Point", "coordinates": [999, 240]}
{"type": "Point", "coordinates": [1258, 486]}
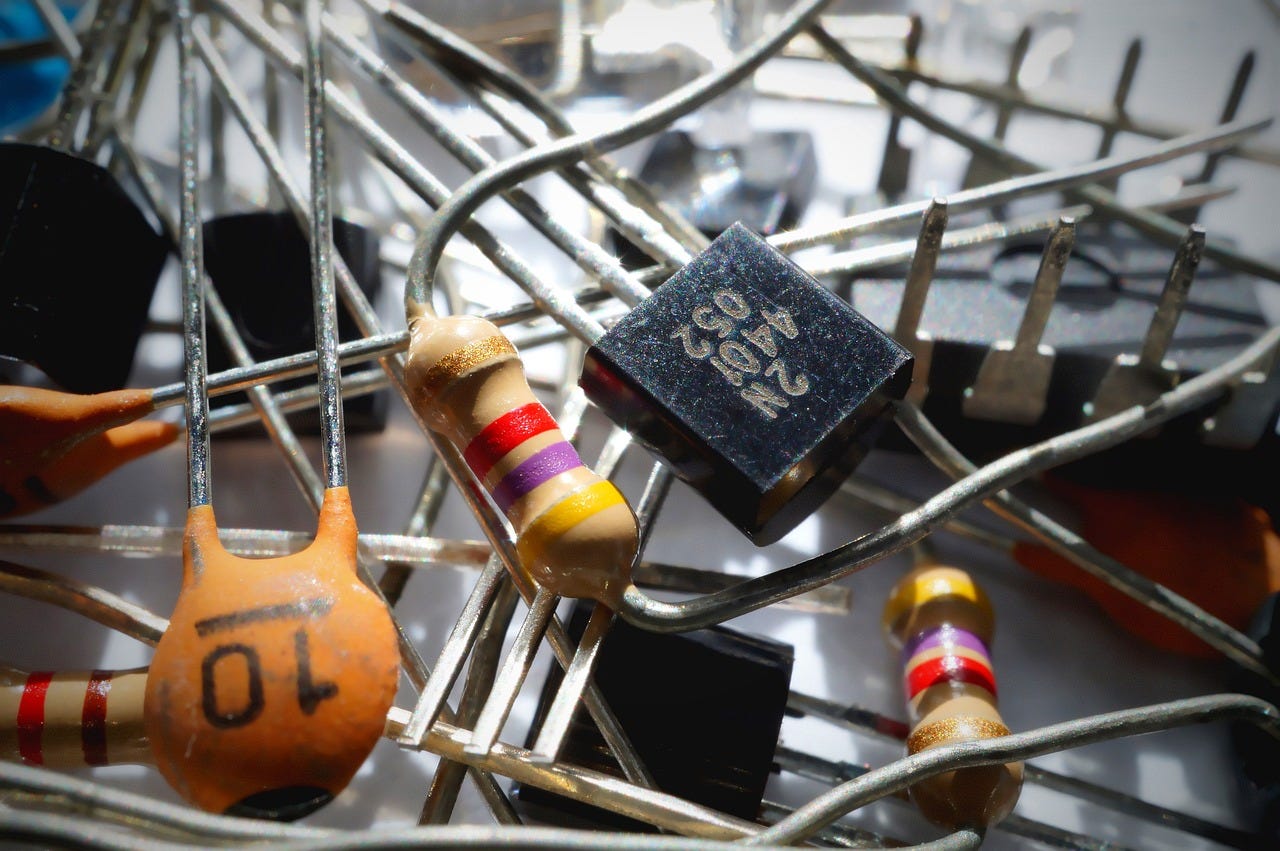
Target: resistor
{"type": "Point", "coordinates": [576, 534]}
{"type": "Point", "coordinates": [943, 623]}
{"type": "Point", "coordinates": [68, 719]}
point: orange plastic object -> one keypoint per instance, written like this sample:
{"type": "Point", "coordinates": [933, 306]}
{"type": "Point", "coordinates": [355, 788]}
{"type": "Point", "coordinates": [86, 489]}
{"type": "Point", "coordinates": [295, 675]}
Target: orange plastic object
{"type": "Point", "coordinates": [1221, 554]}
{"type": "Point", "coordinates": [53, 445]}
{"type": "Point", "coordinates": [272, 684]}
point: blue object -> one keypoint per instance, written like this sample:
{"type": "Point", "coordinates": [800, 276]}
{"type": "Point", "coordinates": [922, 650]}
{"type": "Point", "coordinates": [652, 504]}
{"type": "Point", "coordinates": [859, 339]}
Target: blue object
{"type": "Point", "coordinates": [27, 88]}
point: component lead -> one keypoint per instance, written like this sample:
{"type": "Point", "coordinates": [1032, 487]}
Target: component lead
{"type": "Point", "coordinates": [1136, 380]}
{"type": "Point", "coordinates": [1013, 382]}
{"type": "Point", "coordinates": [923, 265]}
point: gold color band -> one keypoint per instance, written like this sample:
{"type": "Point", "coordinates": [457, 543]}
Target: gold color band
{"type": "Point", "coordinates": [461, 361]}
{"type": "Point", "coordinates": [965, 728]}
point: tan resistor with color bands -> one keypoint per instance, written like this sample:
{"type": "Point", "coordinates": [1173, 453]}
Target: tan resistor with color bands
{"type": "Point", "coordinates": [576, 535]}
{"type": "Point", "coordinates": [943, 623]}
{"type": "Point", "coordinates": [68, 719]}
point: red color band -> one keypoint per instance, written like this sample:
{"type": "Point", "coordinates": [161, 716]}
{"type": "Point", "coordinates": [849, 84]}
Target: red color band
{"type": "Point", "coordinates": [93, 719]}
{"type": "Point", "coordinates": [504, 434]}
{"type": "Point", "coordinates": [955, 669]}
{"type": "Point", "coordinates": [31, 717]}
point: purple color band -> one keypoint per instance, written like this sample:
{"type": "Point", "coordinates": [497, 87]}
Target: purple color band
{"type": "Point", "coordinates": [943, 636]}
{"type": "Point", "coordinates": [546, 464]}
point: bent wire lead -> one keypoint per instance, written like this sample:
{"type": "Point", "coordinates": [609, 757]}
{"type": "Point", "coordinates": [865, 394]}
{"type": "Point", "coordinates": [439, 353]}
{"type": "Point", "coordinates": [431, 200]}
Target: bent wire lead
{"type": "Point", "coordinates": [259, 654]}
{"type": "Point", "coordinates": [96, 604]}
{"type": "Point", "coordinates": [872, 723]}
{"type": "Point", "coordinates": [455, 213]}
{"type": "Point", "coordinates": [1016, 747]}
{"type": "Point", "coordinates": [638, 214]}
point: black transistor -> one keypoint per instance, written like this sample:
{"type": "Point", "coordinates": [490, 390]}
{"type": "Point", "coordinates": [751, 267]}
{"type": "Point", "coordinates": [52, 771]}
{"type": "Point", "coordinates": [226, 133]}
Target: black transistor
{"type": "Point", "coordinates": [757, 385]}
{"type": "Point", "coordinates": [78, 267]}
{"type": "Point", "coordinates": [261, 266]}
{"type": "Point", "coordinates": [703, 710]}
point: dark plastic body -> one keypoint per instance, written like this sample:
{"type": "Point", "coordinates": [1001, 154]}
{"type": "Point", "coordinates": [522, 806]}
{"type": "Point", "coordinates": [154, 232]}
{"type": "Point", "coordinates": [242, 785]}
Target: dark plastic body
{"type": "Point", "coordinates": [1258, 751]}
{"type": "Point", "coordinates": [760, 388]}
{"type": "Point", "coordinates": [261, 265]}
{"type": "Point", "coordinates": [703, 710]}
{"type": "Point", "coordinates": [1103, 309]}
{"type": "Point", "coordinates": [78, 267]}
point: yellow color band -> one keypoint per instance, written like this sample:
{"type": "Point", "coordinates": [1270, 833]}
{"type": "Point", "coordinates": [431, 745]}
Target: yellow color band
{"type": "Point", "coordinates": [931, 584]}
{"type": "Point", "coordinates": [563, 516]}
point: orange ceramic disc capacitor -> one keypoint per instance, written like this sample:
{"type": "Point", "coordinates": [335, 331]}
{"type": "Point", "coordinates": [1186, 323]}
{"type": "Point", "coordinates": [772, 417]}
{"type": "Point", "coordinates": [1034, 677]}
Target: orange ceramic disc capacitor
{"type": "Point", "coordinates": [576, 535]}
{"type": "Point", "coordinates": [272, 684]}
{"type": "Point", "coordinates": [1190, 545]}
{"type": "Point", "coordinates": [53, 445]}
{"type": "Point", "coordinates": [943, 622]}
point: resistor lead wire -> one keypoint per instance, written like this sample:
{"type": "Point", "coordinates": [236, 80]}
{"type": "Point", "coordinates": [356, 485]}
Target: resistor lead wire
{"type": "Point", "coordinates": [589, 256]}
{"type": "Point", "coordinates": [1016, 747]}
{"type": "Point", "coordinates": [454, 214]}
{"type": "Point", "coordinates": [627, 203]}
{"type": "Point", "coordinates": [659, 227]}
{"type": "Point", "coordinates": [396, 157]}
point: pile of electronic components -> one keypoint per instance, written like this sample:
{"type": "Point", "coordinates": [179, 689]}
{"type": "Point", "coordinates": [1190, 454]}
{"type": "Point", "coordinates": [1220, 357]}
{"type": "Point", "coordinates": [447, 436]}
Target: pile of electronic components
{"type": "Point", "coordinates": [758, 378]}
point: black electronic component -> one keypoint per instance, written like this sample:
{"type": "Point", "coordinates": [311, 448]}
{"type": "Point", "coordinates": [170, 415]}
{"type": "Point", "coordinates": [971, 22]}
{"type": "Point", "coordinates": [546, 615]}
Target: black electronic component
{"type": "Point", "coordinates": [759, 387]}
{"type": "Point", "coordinates": [977, 297]}
{"type": "Point", "coordinates": [703, 710]}
{"type": "Point", "coordinates": [1259, 752]}
{"type": "Point", "coordinates": [78, 267]}
{"type": "Point", "coordinates": [261, 266]}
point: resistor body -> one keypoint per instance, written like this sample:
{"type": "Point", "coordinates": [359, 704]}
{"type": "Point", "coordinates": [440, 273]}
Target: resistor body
{"type": "Point", "coordinates": [576, 535]}
{"type": "Point", "coordinates": [68, 719]}
{"type": "Point", "coordinates": [272, 683]}
{"type": "Point", "coordinates": [943, 623]}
